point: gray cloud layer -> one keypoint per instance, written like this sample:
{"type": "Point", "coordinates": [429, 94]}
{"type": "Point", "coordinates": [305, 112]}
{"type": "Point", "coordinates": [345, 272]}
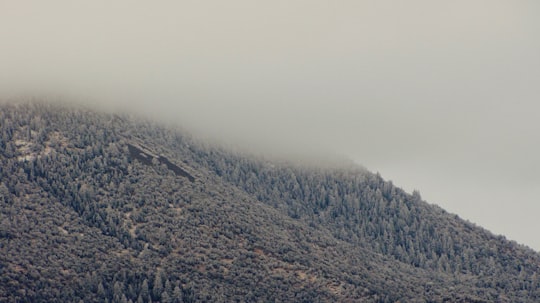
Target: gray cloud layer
{"type": "Point", "coordinates": [437, 95]}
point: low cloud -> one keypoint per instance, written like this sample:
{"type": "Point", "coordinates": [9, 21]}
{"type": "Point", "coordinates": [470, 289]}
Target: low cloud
{"type": "Point", "coordinates": [439, 86]}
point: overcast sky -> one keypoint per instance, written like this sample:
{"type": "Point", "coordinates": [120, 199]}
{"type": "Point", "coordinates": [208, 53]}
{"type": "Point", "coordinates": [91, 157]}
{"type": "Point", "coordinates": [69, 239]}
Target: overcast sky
{"type": "Point", "coordinates": [439, 96]}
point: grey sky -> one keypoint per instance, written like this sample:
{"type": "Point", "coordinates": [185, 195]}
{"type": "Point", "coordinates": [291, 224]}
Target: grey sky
{"type": "Point", "coordinates": [440, 96]}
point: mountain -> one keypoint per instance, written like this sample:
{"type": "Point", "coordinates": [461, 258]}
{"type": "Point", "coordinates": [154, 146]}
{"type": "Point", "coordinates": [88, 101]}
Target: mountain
{"type": "Point", "coordinates": [99, 207]}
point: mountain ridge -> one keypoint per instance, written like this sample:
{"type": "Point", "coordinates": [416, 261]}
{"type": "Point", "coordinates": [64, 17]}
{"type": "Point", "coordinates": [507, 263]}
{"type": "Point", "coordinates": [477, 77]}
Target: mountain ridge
{"type": "Point", "coordinates": [80, 206]}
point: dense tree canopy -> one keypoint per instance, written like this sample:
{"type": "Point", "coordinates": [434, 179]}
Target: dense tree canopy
{"type": "Point", "coordinates": [97, 207]}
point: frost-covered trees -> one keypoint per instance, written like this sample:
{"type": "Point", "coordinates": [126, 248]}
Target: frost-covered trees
{"type": "Point", "coordinates": [82, 219]}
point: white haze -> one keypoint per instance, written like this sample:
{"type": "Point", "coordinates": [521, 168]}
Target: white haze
{"type": "Point", "coordinates": [440, 96]}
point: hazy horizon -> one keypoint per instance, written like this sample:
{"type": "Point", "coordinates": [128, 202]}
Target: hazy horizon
{"type": "Point", "coordinates": [437, 96]}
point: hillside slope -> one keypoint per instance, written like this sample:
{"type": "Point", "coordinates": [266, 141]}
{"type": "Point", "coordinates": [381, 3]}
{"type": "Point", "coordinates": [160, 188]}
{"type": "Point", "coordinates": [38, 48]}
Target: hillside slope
{"type": "Point", "coordinates": [99, 207]}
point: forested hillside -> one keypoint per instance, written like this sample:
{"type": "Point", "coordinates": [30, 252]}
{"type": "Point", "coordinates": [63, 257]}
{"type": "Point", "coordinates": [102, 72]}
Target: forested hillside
{"type": "Point", "coordinates": [97, 207]}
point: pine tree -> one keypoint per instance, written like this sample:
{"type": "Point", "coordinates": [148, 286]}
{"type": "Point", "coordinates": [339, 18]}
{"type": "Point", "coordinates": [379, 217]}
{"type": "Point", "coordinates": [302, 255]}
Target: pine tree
{"type": "Point", "coordinates": [157, 289]}
{"type": "Point", "coordinates": [177, 295]}
{"type": "Point", "coordinates": [144, 289]}
{"type": "Point", "coordinates": [165, 298]}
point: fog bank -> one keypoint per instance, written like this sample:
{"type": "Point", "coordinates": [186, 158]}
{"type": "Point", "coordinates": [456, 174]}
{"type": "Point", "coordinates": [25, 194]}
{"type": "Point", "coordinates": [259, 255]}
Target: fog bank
{"type": "Point", "coordinates": [438, 96]}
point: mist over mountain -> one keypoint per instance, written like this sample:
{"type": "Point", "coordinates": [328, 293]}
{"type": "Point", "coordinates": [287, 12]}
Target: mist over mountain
{"type": "Point", "coordinates": [427, 93]}
{"type": "Point", "coordinates": [102, 207]}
